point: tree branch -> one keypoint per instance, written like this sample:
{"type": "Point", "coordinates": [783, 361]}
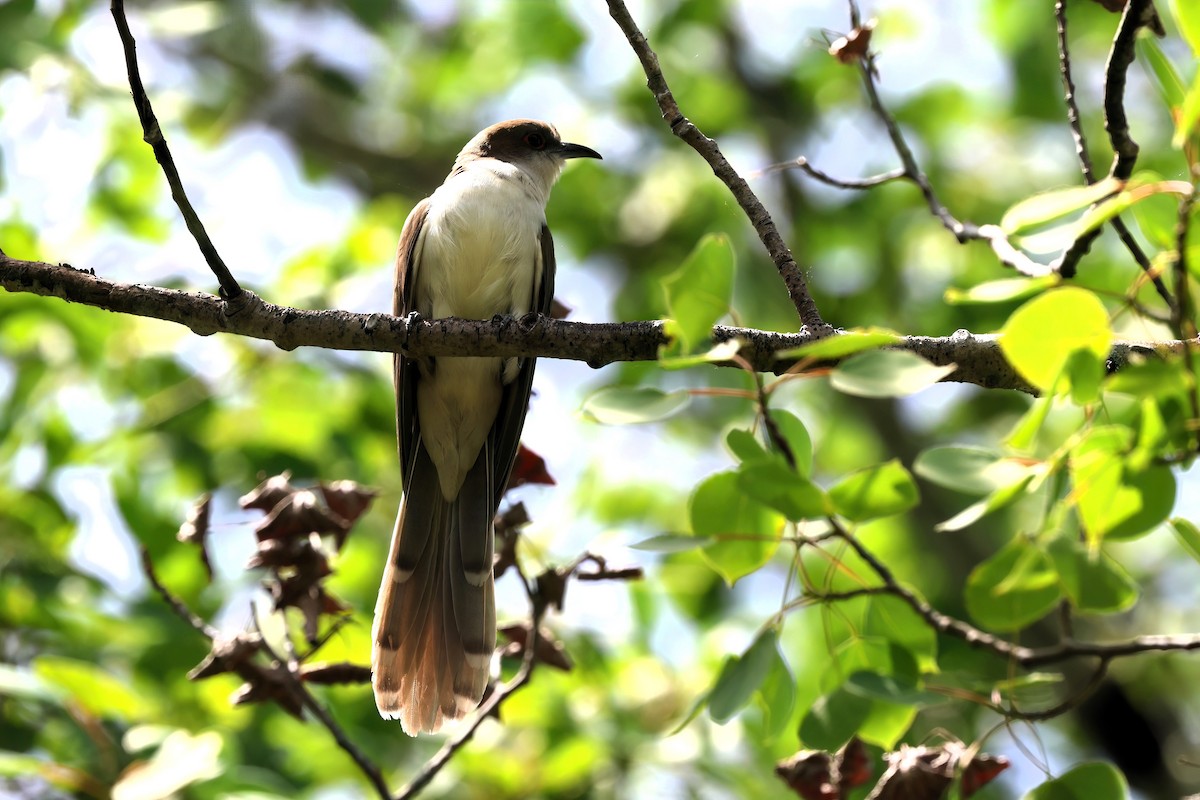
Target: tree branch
{"type": "Point", "coordinates": [685, 129]}
{"type": "Point", "coordinates": [153, 136]}
{"type": "Point", "coordinates": [977, 356]}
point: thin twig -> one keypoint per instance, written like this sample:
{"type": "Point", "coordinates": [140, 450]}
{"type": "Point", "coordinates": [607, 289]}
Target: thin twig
{"type": "Point", "coordinates": [1085, 159]}
{"type": "Point", "coordinates": [1184, 318]}
{"type": "Point", "coordinates": [294, 684]}
{"type": "Point", "coordinates": [685, 129]}
{"type": "Point", "coordinates": [177, 605]}
{"type": "Point", "coordinates": [962, 231]}
{"type": "Point", "coordinates": [1116, 123]}
{"type": "Point", "coordinates": [1067, 704]}
{"type": "Point", "coordinates": [152, 134]}
{"type": "Point", "coordinates": [803, 164]}
{"type": "Point", "coordinates": [1073, 118]}
{"type": "Point", "coordinates": [306, 698]}
{"type": "Point", "coordinates": [1027, 657]}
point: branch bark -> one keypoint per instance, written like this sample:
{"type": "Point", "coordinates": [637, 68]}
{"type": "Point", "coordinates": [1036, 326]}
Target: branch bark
{"type": "Point", "coordinates": [977, 356]}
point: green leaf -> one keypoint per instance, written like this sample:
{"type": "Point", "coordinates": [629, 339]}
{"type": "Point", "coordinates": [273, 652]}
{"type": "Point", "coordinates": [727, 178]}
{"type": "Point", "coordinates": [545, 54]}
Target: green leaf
{"type": "Point", "coordinates": [974, 470]}
{"type": "Point", "coordinates": [741, 676]}
{"type": "Point", "coordinates": [1048, 206]}
{"type": "Point", "coordinates": [1024, 433]}
{"type": "Point", "coordinates": [1188, 535]}
{"type": "Point", "coordinates": [722, 351]}
{"type": "Point", "coordinates": [745, 446]}
{"type": "Point", "coordinates": [897, 689]}
{"type": "Point", "coordinates": [1188, 116]}
{"type": "Point", "coordinates": [878, 491]}
{"type": "Point", "coordinates": [833, 719]}
{"type": "Point", "coordinates": [1166, 77]}
{"type": "Point", "coordinates": [183, 759]}
{"type": "Point", "coordinates": [1042, 334]}
{"type": "Point", "coordinates": [101, 694]}
{"type": "Point", "coordinates": [24, 684]}
{"type": "Point", "coordinates": [796, 435]}
{"type": "Point", "coordinates": [774, 484]}
{"type": "Point", "coordinates": [886, 373]}
{"type": "Point", "coordinates": [890, 618]}
{"type": "Point", "coordinates": [1004, 290]}
{"type": "Point", "coordinates": [777, 696]}
{"type": "Point", "coordinates": [745, 532]}
{"type": "Point", "coordinates": [1187, 16]}
{"type": "Point", "coordinates": [698, 294]}
{"type": "Point", "coordinates": [621, 405]}
{"type": "Point", "coordinates": [1151, 377]}
{"type": "Point", "coordinates": [1156, 489]}
{"type": "Point", "coordinates": [671, 543]}
{"type": "Point", "coordinates": [1092, 581]}
{"type": "Point", "coordinates": [1084, 372]}
{"type": "Point", "coordinates": [844, 343]}
{"type": "Point", "coordinates": [1093, 781]}
{"type": "Point", "coordinates": [1004, 496]}
{"type": "Point", "coordinates": [1016, 586]}
{"type": "Point", "coordinates": [1115, 501]}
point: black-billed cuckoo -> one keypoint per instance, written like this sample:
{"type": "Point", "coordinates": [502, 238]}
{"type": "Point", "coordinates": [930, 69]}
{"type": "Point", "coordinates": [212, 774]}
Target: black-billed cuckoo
{"type": "Point", "coordinates": [475, 248]}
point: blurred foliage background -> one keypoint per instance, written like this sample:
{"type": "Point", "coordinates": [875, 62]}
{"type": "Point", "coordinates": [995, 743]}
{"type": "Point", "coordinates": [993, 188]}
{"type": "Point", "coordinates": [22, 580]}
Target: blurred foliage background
{"type": "Point", "coordinates": [305, 131]}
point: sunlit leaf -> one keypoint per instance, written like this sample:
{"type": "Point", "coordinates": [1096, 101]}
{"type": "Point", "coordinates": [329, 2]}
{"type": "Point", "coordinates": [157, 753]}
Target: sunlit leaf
{"type": "Point", "coordinates": [183, 759]}
{"type": "Point", "coordinates": [671, 543]}
{"type": "Point", "coordinates": [1004, 290]}
{"type": "Point", "coordinates": [886, 373]}
{"type": "Point", "coordinates": [878, 491]}
{"type": "Point", "coordinates": [745, 532]}
{"type": "Point", "coordinates": [774, 484]}
{"type": "Point", "coordinates": [620, 405]}
{"type": "Point", "coordinates": [1085, 782]}
{"type": "Point", "coordinates": [973, 470]}
{"type": "Point", "coordinates": [1041, 335]}
{"type": "Point", "coordinates": [101, 693]}
{"type": "Point", "coordinates": [998, 499]}
{"type": "Point", "coordinates": [698, 294]}
{"type": "Point", "coordinates": [1188, 535]}
{"type": "Point", "coordinates": [1048, 206]}
{"type": "Point", "coordinates": [1016, 586]}
{"type": "Point", "coordinates": [741, 676]}
{"type": "Point", "coordinates": [844, 343]}
{"type": "Point", "coordinates": [1091, 579]}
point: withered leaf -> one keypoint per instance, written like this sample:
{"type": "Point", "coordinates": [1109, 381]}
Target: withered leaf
{"type": "Point", "coordinates": [267, 494]}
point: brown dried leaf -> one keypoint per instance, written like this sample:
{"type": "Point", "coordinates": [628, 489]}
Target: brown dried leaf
{"type": "Point", "coordinates": [267, 494]}
{"type": "Point", "coordinates": [529, 467]}
{"type": "Point", "coordinates": [348, 499]}
{"type": "Point", "coordinates": [226, 655]}
{"type": "Point", "coordinates": [299, 514]}
{"type": "Point", "coordinates": [855, 45]}
{"type": "Point", "coordinates": [924, 773]}
{"type": "Point", "coordinates": [195, 529]}
{"type": "Point", "coordinates": [810, 774]}
{"type": "Point", "coordinates": [550, 650]}
{"type": "Point", "coordinates": [269, 685]}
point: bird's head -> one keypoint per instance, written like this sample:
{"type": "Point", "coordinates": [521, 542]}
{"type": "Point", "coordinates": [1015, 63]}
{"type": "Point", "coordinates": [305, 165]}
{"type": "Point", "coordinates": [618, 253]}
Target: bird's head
{"type": "Point", "coordinates": [531, 145]}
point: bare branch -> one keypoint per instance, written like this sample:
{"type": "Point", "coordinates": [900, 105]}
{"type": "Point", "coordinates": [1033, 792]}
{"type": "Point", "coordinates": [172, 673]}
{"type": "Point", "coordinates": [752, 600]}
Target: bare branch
{"type": "Point", "coordinates": [803, 164]}
{"type": "Point", "coordinates": [153, 136]}
{"type": "Point", "coordinates": [686, 130]}
{"type": "Point", "coordinates": [977, 356]}
{"type": "Point", "coordinates": [1116, 124]}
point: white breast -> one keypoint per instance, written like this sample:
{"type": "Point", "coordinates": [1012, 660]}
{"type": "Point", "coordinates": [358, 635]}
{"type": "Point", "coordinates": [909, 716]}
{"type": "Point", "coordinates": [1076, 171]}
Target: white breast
{"type": "Point", "coordinates": [478, 255]}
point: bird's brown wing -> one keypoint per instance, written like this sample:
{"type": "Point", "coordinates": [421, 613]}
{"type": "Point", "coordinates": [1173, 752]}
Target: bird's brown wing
{"type": "Point", "coordinates": [405, 369]}
{"type": "Point", "coordinates": [506, 432]}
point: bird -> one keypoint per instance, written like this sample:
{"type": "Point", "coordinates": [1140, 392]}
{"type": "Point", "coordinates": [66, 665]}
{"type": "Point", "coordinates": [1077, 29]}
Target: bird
{"type": "Point", "coordinates": [476, 248]}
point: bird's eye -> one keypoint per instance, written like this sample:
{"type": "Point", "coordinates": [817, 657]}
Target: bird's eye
{"type": "Point", "coordinates": [535, 140]}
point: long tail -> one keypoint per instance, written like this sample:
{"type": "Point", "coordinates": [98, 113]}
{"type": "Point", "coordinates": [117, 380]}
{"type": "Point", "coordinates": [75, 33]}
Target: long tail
{"type": "Point", "coordinates": [435, 621]}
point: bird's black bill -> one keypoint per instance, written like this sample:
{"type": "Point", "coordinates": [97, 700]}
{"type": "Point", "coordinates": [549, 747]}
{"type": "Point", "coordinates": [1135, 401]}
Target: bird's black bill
{"type": "Point", "coordinates": [570, 150]}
